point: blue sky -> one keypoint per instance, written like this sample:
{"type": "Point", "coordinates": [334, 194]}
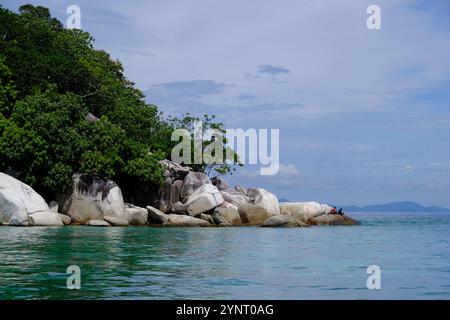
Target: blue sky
{"type": "Point", "coordinates": [364, 116]}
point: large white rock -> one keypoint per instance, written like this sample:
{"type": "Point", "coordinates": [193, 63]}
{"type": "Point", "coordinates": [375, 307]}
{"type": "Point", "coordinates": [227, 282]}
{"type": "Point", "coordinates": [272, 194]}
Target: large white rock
{"type": "Point", "coordinates": [98, 223]}
{"type": "Point", "coordinates": [116, 221]}
{"type": "Point", "coordinates": [304, 210]}
{"type": "Point", "coordinates": [65, 219]}
{"type": "Point", "coordinates": [156, 216]}
{"type": "Point", "coordinates": [45, 218]}
{"type": "Point", "coordinates": [180, 208]}
{"type": "Point", "coordinates": [178, 220]}
{"type": "Point", "coordinates": [192, 182]}
{"type": "Point", "coordinates": [266, 200]}
{"type": "Point", "coordinates": [283, 221]}
{"type": "Point", "coordinates": [326, 209]}
{"type": "Point", "coordinates": [333, 220]}
{"type": "Point", "coordinates": [205, 198]}
{"type": "Point", "coordinates": [135, 215]}
{"type": "Point", "coordinates": [234, 197]}
{"type": "Point", "coordinates": [253, 214]}
{"type": "Point", "coordinates": [93, 197]}
{"type": "Point", "coordinates": [227, 214]}
{"type": "Point", "coordinates": [18, 201]}
{"type": "Point", "coordinates": [173, 170]}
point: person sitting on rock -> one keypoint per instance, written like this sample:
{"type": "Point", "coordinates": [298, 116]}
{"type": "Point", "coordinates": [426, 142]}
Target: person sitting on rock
{"type": "Point", "coordinates": [333, 211]}
{"type": "Point", "coordinates": [340, 212]}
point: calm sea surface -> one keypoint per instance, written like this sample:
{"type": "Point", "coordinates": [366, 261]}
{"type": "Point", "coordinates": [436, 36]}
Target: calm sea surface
{"type": "Point", "coordinates": [412, 250]}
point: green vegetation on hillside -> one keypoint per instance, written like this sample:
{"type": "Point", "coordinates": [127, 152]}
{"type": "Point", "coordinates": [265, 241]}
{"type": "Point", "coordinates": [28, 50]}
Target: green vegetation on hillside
{"type": "Point", "coordinates": [51, 78]}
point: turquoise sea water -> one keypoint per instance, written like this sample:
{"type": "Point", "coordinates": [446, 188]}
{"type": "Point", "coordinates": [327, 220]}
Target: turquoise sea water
{"type": "Point", "coordinates": [412, 250]}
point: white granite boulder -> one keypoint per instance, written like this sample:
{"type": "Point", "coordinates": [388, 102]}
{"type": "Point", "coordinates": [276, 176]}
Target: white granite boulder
{"type": "Point", "coordinates": [252, 214]}
{"type": "Point", "coordinates": [156, 216]}
{"type": "Point", "coordinates": [304, 210]}
{"type": "Point", "coordinates": [93, 197]}
{"type": "Point", "coordinates": [227, 214]}
{"type": "Point", "coordinates": [116, 221]}
{"type": "Point", "coordinates": [192, 182]}
{"type": "Point", "coordinates": [65, 219]}
{"type": "Point", "coordinates": [204, 199]}
{"type": "Point", "coordinates": [178, 220]}
{"type": "Point", "coordinates": [265, 199]}
{"type": "Point", "coordinates": [283, 221]}
{"type": "Point", "coordinates": [45, 218]}
{"type": "Point", "coordinates": [235, 197]}
{"type": "Point", "coordinates": [134, 215]}
{"type": "Point", "coordinates": [97, 223]}
{"type": "Point", "coordinates": [18, 201]}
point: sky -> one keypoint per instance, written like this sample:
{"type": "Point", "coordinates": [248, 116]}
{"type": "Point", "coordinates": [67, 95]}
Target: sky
{"type": "Point", "coordinates": [364, 115]}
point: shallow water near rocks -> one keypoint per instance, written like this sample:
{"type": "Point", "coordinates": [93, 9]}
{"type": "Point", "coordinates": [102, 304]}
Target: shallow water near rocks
{"type": "Point", "coordinates": [412, 250]}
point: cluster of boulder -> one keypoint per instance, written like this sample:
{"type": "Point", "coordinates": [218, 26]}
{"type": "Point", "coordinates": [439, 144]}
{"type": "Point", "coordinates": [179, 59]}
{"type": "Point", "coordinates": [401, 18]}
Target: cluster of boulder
{"type": "Point", "coordinates": [187, 198]}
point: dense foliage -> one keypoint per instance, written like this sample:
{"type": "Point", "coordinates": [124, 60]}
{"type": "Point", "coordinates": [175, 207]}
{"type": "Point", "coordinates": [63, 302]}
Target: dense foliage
{"type": "Point", "coordinates": [51, 79]}
{"type": "Point", "coordinates": [229, 159]}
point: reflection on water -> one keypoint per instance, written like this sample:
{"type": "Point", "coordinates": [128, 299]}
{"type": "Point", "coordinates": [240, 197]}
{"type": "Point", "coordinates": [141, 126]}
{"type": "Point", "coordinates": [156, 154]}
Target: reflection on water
{"type": "Point", "coordinates": [230, 263]}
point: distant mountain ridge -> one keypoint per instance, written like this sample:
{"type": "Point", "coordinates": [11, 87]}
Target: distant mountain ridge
{"type": "Point", "coordinates": [405, 206]}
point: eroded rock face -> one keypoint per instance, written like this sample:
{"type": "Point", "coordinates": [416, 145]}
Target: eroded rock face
{"type": "Point", "coordinates": [65, 219]}
{"type": "Point", "coordinates": [170, 191]}
{"type": "Point", "coordinates": [227, 214]}
{"type": "Point", "coordinates": [239, 189]}
{"type": "Point", "coordinates": [204, 199]}
{"type": "Point", "coordinates": [175, 192]}
{"type": "Point", "coordinates": [164, 196]}
{"type": "Point", "coordinates": [235, 197]}
{"type": "Point", "coordinates": [156, 216]}
{"type": "Point", "coordinates": [207, 217]}
{"type": "Point", "coordinates": [192, 182]}
{"type": "Point", "coordinates": [116, 221]}
{"type": "Point", "coordinates": [18, 201]}
{"type": "Point", "coordinates": [174, 171]}
{"type": "Point", "coordinates": [92, 198]}
{"type": "Point", "coordinates": [180, 208]}
{"type": "Point", "coordinates": [220, 183]}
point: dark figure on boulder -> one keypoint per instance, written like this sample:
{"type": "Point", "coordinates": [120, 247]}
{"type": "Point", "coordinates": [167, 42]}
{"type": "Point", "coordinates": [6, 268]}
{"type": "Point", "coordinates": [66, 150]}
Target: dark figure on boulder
{"type": "Point", "coordinates": [340, 212]}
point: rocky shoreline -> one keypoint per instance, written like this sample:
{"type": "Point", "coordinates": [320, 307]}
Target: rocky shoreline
{"type": "Point", "coordinates": [187, 199]}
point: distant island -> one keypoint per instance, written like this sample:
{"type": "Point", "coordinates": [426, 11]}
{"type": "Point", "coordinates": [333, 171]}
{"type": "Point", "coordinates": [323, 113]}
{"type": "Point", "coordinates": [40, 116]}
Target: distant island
{"type": "Point", "coordinates": [403, 206]}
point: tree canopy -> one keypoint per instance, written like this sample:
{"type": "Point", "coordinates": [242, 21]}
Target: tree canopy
{"type": "Point", "coordinates": [51, 79]}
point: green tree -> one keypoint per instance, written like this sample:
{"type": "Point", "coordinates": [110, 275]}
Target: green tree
{"type": "Point", "coordinates": [230, 159]}
{"type": "Point", "coordinates": [51, 78]}
{"type": "Point", "coordinates": [7, 90]}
